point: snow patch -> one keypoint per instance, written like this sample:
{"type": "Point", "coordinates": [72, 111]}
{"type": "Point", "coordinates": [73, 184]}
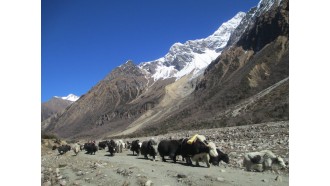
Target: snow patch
{"type": "Point", "coordinates": [164, 72]}
{"type": "Point", "coordinates": [199, 63]}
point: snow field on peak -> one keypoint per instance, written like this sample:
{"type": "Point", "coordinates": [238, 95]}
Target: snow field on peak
{"type": "Point", "coordinates": [164, 72]}
{"type": "Point", "coordinates": [200, 62]}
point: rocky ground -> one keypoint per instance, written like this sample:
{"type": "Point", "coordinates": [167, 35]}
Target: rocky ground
{"type": "Point", "coordinates": [126, 169]}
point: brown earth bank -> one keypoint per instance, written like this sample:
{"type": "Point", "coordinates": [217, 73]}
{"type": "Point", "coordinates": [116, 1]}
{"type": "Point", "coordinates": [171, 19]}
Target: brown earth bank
{"type": "Point", "coordinates": [126, 169]}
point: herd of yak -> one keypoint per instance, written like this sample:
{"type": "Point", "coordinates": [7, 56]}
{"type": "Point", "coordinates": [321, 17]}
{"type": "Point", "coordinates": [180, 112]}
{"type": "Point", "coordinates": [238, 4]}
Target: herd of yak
{"type": "Point", "coordinates": [196, 149]}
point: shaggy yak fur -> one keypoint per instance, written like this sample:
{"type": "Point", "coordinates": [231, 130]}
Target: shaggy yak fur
{"type": "Point", "coordinates": [261, 161]}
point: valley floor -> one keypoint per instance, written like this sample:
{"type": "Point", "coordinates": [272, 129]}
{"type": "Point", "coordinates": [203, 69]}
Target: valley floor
{"type": "Point", "coordinates": [126, 169]}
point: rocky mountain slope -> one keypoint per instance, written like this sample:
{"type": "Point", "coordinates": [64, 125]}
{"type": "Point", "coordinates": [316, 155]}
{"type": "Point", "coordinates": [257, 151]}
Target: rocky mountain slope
{"type": "Point", "coordinates": [255, 62]}
{"type": "Point", "coordinates": [202, 83]}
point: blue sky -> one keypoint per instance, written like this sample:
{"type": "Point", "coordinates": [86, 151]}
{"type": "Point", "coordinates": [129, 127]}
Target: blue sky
{"type": "Point", "coordinates": [83, 40]}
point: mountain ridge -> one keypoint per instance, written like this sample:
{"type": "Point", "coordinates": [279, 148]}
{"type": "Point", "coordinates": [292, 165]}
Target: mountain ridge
{"type": "Point", "coordinates": [131, 101]}
{"type": "Point", "coordinates": [193, 55]}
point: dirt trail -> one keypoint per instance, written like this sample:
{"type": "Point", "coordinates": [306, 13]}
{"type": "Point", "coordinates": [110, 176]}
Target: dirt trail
{"type": "Point", "coordinates": [126, 169]}
{"type": "Point", "coordinates": [244, 104]}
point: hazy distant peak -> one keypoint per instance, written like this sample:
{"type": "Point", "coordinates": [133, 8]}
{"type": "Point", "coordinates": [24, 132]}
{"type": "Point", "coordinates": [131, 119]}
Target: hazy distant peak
{"type": "Point", "coordinates": [70, 97]}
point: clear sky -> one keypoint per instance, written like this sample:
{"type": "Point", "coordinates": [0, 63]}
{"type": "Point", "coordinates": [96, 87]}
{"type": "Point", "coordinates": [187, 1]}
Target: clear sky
{"type": "Point", "coordinates": [83, 40]}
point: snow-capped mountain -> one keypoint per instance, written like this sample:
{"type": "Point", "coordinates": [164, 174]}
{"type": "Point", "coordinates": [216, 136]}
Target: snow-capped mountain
{"type": "Point", "coordinates": [193, 55]}
{"type": "Point", "coordinates": [56, 105]}
{"type": "Point", "coordinates": [242, 85]}
{"type": "Point", "coordinates": [70, 97]}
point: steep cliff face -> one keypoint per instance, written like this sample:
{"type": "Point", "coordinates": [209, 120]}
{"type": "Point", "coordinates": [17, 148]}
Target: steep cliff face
{"type": "Point", "coordinates": [266, 28]}
{"type": "Point", "coordinates": [268, 32]}
{"type": "Point", "coordinates": [258, 60]}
